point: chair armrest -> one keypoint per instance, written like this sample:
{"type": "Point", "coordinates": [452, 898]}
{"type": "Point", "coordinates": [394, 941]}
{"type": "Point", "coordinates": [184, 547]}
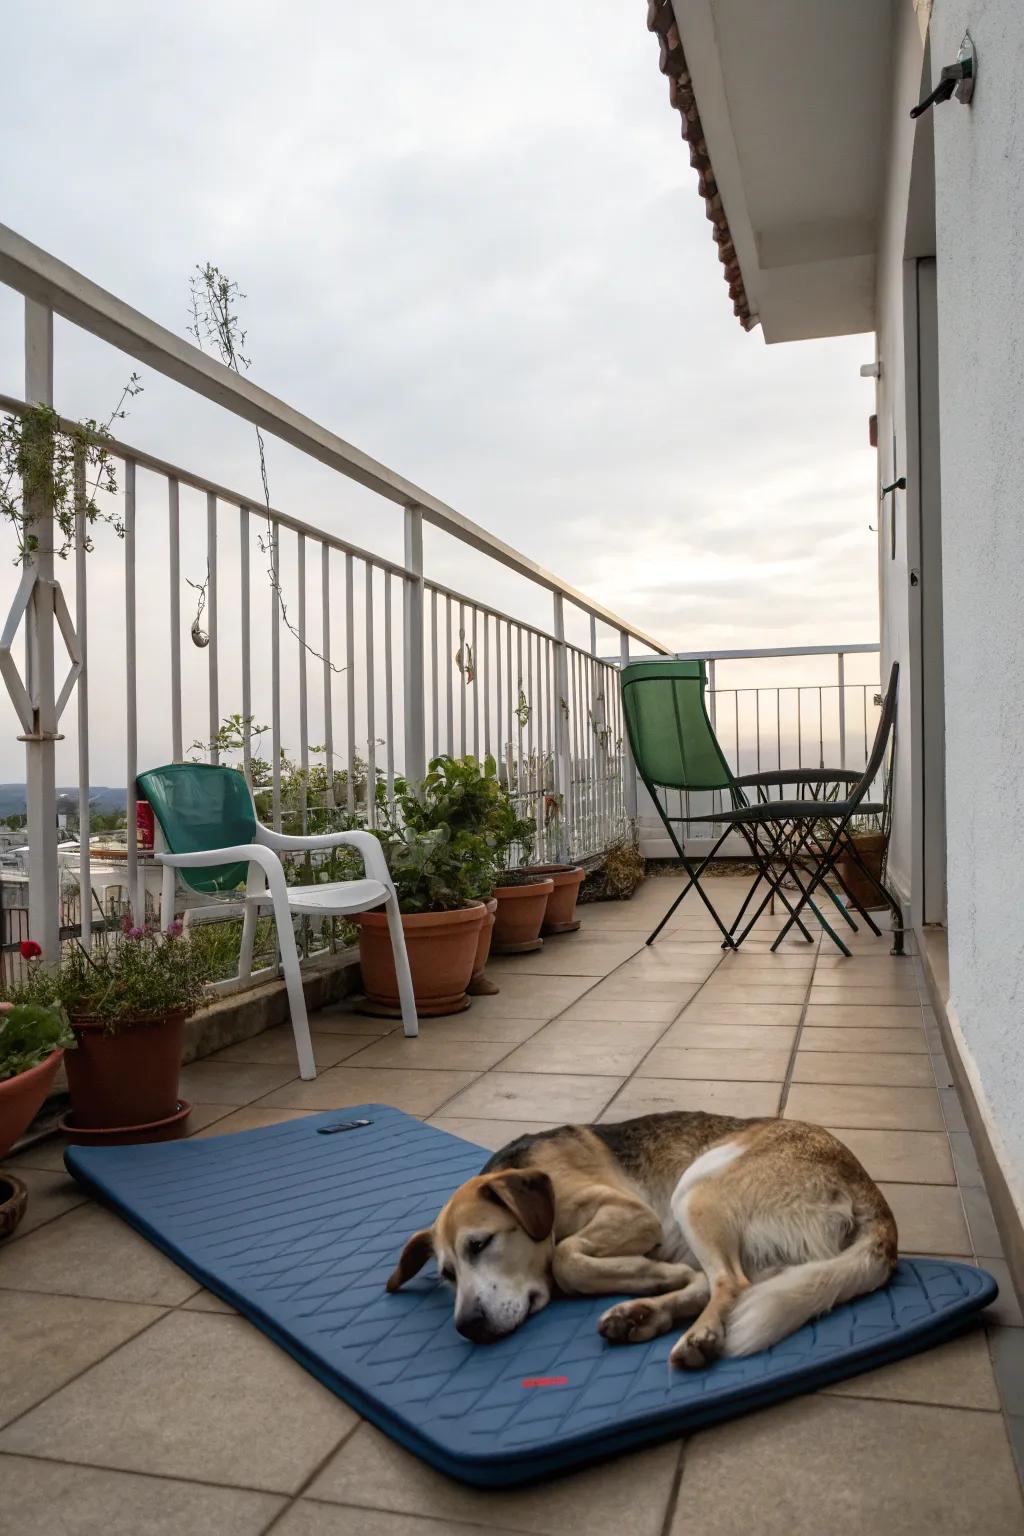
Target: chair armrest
{"type": "Point", "coordinates": [364, 843]}
{"type": "Point", "coordinates": [251, 853]}
{"type": "Point", "coordinates": [800, 776]}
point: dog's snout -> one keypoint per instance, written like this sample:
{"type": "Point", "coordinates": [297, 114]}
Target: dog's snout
{"type": "Point", "coordinates": [475, 1326]}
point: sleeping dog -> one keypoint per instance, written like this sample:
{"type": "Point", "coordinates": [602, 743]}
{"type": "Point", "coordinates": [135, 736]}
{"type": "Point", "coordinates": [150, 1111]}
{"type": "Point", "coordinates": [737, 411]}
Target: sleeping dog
{"type": "Point", "coordinates": [748, 1227]}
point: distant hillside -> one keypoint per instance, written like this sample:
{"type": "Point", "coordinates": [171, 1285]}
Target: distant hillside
{"type": "Point", "coordinates": [101, 797]}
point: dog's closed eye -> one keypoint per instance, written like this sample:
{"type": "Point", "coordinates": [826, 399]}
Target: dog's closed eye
{"type": "Point", "coordinates": [476, 1245]}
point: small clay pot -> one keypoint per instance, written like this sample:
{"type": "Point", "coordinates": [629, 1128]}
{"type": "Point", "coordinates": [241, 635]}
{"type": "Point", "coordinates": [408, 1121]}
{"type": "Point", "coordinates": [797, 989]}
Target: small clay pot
{"type": "Point", "coordinates": [13, 1200]}
{"type": "Point", "coordinates": [21, 1098]}
{"type": "Point", "coordinates": [479, 984]}
{"type": "Point", "coordinates": [129, 1078]}
{"type": "Point", "coordinates": [871, 848]}
{"type": "Point", "coordinates": [442, 949]}
{"type": "Point", "coordinates": [168, 1129]}
{"type": "Point", "coordinates": [560, 916]}
{"type": "Point", "coordinates": [521, 909]}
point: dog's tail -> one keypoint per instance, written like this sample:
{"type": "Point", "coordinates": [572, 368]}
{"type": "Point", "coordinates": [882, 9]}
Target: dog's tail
{"type": "Point", "coordinates": [776, 1306]}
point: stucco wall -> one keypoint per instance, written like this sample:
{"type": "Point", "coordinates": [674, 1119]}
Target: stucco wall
{"type": "Point", "coordinates": [979, 154]}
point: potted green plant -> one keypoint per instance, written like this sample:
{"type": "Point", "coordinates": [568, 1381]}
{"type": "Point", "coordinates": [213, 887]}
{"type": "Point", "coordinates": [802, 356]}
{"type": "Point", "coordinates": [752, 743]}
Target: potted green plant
{"type": "Point", "coordinates": [441, 878]}
{"type": "Point", "coordinates": [33, 1038]}
{"type": "Point", "coordinates": [127, 1005]}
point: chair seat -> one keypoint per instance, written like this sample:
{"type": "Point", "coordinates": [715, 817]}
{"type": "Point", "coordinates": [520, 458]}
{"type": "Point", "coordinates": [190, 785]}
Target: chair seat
{"type": "Point", "coordinates": [792, 810]}
{"type": "Point", "coordinates": [333, 900]}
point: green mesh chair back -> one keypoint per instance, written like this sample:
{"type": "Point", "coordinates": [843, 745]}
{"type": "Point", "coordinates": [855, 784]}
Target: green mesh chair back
{"type": "Point", "coordinates": [201, 806]}
{"type": "Point", "coordinates": [670, 735]}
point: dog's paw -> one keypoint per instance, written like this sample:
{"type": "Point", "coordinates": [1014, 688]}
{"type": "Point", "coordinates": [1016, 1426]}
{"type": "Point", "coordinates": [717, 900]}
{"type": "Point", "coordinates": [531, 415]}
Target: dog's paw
{"type": "Point", "coordinates": [630, 1322]}
{"type": "Point", "coordinates": [697, 1348]}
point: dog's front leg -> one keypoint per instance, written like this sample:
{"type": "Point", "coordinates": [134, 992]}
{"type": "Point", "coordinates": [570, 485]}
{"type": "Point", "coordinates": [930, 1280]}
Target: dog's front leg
{"type": "Point", "coordinates": [610, 1253]}
{"type": "Point", "coordinates": [634, 1322]}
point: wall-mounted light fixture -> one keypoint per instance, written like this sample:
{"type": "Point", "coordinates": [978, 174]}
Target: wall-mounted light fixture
{"type": "Point", "coordinates": [871, 370]}
{"type": "Point", "coordinates": [958, 78]}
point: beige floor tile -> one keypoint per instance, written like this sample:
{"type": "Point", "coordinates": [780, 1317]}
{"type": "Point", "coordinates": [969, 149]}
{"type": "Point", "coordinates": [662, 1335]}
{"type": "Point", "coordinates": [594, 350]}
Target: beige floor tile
{"type": "Point", "coordinates": [235, 1082]}
{"type": "Point", "coordinates": [47, 1154]}
{"type": "Point", "coordinates": [676, 963]}
{"type": "Point", "coordinates": [587, 1058]}
{"type": "Point", "coordinates": [524, 997]}
{"type": "Point", "coordinates": [908, 1157]}
{"type": "Point", "coordinates": [930, 1218]}
{"type": "Point", "coordinates": [1006, 1309]}
{"type": "Point", "coordinates": [863, 997]}
{"type": "Point", "coordinates": [90, 1252]}
{"type": "Point", "coordinates": [570, 1031]}
{"type": "Point", "coordinates": [416, 1090]}
{"type": "Point", "coordinates": [729, 1037]}
{"type": "Point", "coordinates": [253, 1117]}
{"type": "Point", "coordinates": [491, 1134]}
{"type": "Point", "coordinates": [985, 1239]}
{"type": "Point", "coordinates": [177, 1401]}
{"type": "Point", "coordinates": [277, 1047]}
{"type": "Point", "coordinates": [873, 970]}
{"type": "Point", "coordinates": [956, 1375]}
{"type": "Point", "coordinates": [564, 1098]}
{"type": "Point", "coordinates": [705, 1010]}
{"type": "Point", "coordinates": [902, 1041]}
{"type": "Point", "coordinates": [851, 1467]}
{"type": "Point", "coordinates": [49, 1339]}
{"type": "Point", "coordinates": [627, 1493]}
{"type": "Point", "coordinates": [852, 1106]}
{"type": "Point", "coordinates": [652, 989]}
{"type": "Point", "coordinates": [572, 959]}
{"type": "Point", "coordinates": [850, 1016]}
{"type": "Point", "coordinates": [49, 1195]}
{"type": "Point", "coordinates": [206, 1301]}
{"type": "Point", "coordinates": [637, 1009]}
{"type": "Point", "coordinates": [204, 1115]}
{"type": "Point", "coordinates": [432, 1052]}
{"type": "Point", "coordinates": [743, 960]}
{"type": "Point", "coordinates": [343, 1019]}
{"type": "Point", "coordinates": [473, 1025]}
{"type": "Point", "coordinates": [749, 1066]}
{"type": "Point", "coordinates": [764, 975]}
{"type": "Point", "coordinates": [48, 1498]}
{"type": "Point", "coordinates": [884, 1068]}
{"type": "Point", "coordinates": [647, 1096]}
{"type": "Point", "coordinates": [965, 1160]}
{"type": "Point", "coordinates": [715, 991]}
{"type": "Point", "coordinates": [309, 1518]}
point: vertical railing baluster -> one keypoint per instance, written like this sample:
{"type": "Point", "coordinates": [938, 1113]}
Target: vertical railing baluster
{"type": "Point", "coordinates": [82, 629]}
{"type": "Point", "coordinates": [350, 681]}
{"type": "Point", "coordinates": [435, 697]}
{"type": "Point", "coordinates": [448, 666]}
{"type": "Point", "coordinates": [562, 739]}
{"type": "Point", "coordinates": [532, 697]}
{"type": "Point", "coordinates": [245, 599]}
{"type": "Point", "coordinates": [212, 652]}
{"type": "Point", "coordinates": [821, 732]}
{"type": "Point", "coordinates": [325, 648]}
{"type": "Point", "coordinates": [174, 614]}
{"type": "Point", "coordinates": [841, 684]}
{"type": "Point", "coordinates": [521, 703]}
{"type": "Point", "coordinates": [487, 683]}
{"type": "Point", "coordinates": [389, 690]}
{"type": "Point", "coordinates": [628, 765]}
{"type": "Point", "coordinates": [371, 713]}
{"type": "Point", "coordinates": [303, 688]}
{"type": "Point", "coordinates": [476, 689]}
{"type": "Point", "coordinates": [135, 877]}
{"type": "Point", "coordinates": [412, 629]}
{"type": "Point", "coordinates": [509, 706]}
{"type": "Point", "coordinates": [799, 727]}
{"type": "Point", "coordinates": [462, 680]}
{"type": "Point", "coordinates": [757, 724]}
{"type": "Point", "coordinates": [275, 672]}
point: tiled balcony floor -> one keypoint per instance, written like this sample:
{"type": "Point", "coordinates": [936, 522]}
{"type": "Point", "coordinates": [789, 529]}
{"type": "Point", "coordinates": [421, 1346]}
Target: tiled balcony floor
{"type": "Point", "coordinates": [135, 1404]}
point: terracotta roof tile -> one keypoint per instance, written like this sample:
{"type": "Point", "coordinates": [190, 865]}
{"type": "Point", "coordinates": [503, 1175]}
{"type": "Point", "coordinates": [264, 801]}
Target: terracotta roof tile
{"type": "Point", "coordinates": [672, 62]}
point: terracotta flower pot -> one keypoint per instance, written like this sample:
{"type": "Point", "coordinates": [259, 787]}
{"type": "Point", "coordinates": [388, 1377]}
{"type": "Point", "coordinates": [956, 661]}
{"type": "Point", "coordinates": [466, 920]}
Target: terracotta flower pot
{"type": "Point", "coordinates": [871, 848]}
{"type": "Point", "coordinates": [560, 916]}
{"type": "Point", "coordinates": [13, 1199]}
{"type": "Point", "coordinates": [442, 948]}
{"type": "Point", "coordinates": [21, 1097]}
{"type": "Point", "coordinates": [480, 985]}
{"type": "Point", "coordinates": [125, 1079]}
{"type": "Point", "coordinates": [521, 909]}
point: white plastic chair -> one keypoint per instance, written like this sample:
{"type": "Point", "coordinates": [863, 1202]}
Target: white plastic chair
{"type": "Point", "coordinates": [183, 816]}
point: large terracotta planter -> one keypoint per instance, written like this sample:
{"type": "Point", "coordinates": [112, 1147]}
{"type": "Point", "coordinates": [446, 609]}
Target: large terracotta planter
{"type": "Point", "coordinates": [521, 909]}
{"type": "Point", "coordinates": [560, 914]}
{"type": "Point", "coordinates": [479, 984]}
{"type": "Point", "coordinates": [871, 848]}
{"type": "Point", "coordinates": [127, 1079]}
{"type": "Point", "coordinates": [442, 949]}
{"type": "Point", "coordinates": [21, 1098]}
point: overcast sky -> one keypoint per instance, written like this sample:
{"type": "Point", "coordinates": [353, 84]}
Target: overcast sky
{"type": "Point", "coordinates": [471, 243]}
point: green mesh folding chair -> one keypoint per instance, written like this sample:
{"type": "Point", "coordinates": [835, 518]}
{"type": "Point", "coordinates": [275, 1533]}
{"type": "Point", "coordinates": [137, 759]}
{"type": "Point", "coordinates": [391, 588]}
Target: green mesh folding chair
{"type": "Point", "coordinates": [210, 833]}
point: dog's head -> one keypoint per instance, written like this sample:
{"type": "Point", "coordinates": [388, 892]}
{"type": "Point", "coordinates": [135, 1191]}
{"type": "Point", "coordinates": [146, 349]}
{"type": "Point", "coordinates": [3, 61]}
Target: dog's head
{"type": "Point", "coordinates": [493, 1241]}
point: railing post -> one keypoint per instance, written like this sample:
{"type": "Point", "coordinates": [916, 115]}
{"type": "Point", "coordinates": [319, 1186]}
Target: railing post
{"type": "Point", "coordinates": [563, 760]}
{"type": "Point", "coordinates": [40, 769]}
{"type": "Point", "coordinates": [628, 765]}
{"type": "Point", "coordinates": [415, 714]}
{"type": "Point", "coordinates": [841, 663]}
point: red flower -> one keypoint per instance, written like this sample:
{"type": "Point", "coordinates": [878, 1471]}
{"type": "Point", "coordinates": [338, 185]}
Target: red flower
{"type": "Point", "coordinates": [29, 949]}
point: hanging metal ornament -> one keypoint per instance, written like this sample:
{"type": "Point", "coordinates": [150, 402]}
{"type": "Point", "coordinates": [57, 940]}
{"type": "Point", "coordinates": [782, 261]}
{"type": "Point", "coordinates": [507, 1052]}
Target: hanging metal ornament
{"type": "Point", "coordinates": [199, 636]}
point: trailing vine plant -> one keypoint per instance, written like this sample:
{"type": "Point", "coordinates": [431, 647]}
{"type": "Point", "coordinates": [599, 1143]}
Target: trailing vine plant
{"type": "Point", "coordinates": [38, 458]}
{"type": "Point", "coordinates": [216, 323]}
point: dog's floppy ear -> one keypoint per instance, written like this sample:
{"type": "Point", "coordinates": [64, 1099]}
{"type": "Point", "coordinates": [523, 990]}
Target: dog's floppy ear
{"type": "Point", "coordinates": [530, 1195]}
{"type": "Point", "coordinates": [414, 1255]}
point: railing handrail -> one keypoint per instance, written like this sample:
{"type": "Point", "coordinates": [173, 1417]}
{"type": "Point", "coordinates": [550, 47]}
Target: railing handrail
{"type": "Point", "coordinates": [776, 650]}
{"type": "Point", "coordinates": [35, 273]}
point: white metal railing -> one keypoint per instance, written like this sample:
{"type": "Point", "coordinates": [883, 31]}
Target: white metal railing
{"type": "Point", "coordinates": [408, 667]}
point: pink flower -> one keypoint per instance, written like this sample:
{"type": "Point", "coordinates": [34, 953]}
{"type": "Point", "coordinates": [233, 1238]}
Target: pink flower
{"type": "Point", "coordinates": [135, 933]}
{"type": "Point", "coordinates": [29, 949]}
{"type": "Point", "coordinates": [6, 1007]}
{"type": "Point", "coordinates": [174, 930]}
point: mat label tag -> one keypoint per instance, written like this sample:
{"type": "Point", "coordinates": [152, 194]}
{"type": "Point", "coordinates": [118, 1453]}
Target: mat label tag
{"type": "Point", "coordinates": [545, 1381]}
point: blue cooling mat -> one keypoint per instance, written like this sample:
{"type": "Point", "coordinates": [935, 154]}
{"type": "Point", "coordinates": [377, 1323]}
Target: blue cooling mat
{"type": "Point", "coordinates": [299, 1230]}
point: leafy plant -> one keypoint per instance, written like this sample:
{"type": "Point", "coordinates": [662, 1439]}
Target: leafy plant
{"type": "Point", "coordinates": [29, 1032]}
{"type": "Point", "coordinates": [466, 796]}
{"type": "Point", "coordinates": [617, 876]}
{"type": "Point", "coordinates": [440, 843]}
{"type": "Point", "coordinates": [144, 977]}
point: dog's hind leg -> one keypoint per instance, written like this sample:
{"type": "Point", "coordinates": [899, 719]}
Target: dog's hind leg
{"type": "Point", "coordinates": [609, 1253]}
{"type": "Point", "coordinates": [634, 1322]}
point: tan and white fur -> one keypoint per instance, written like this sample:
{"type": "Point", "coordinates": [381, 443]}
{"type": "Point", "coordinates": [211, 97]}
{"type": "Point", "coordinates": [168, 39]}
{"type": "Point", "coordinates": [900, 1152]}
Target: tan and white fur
{"type": "Point", "coordinates": [748, 1227]}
